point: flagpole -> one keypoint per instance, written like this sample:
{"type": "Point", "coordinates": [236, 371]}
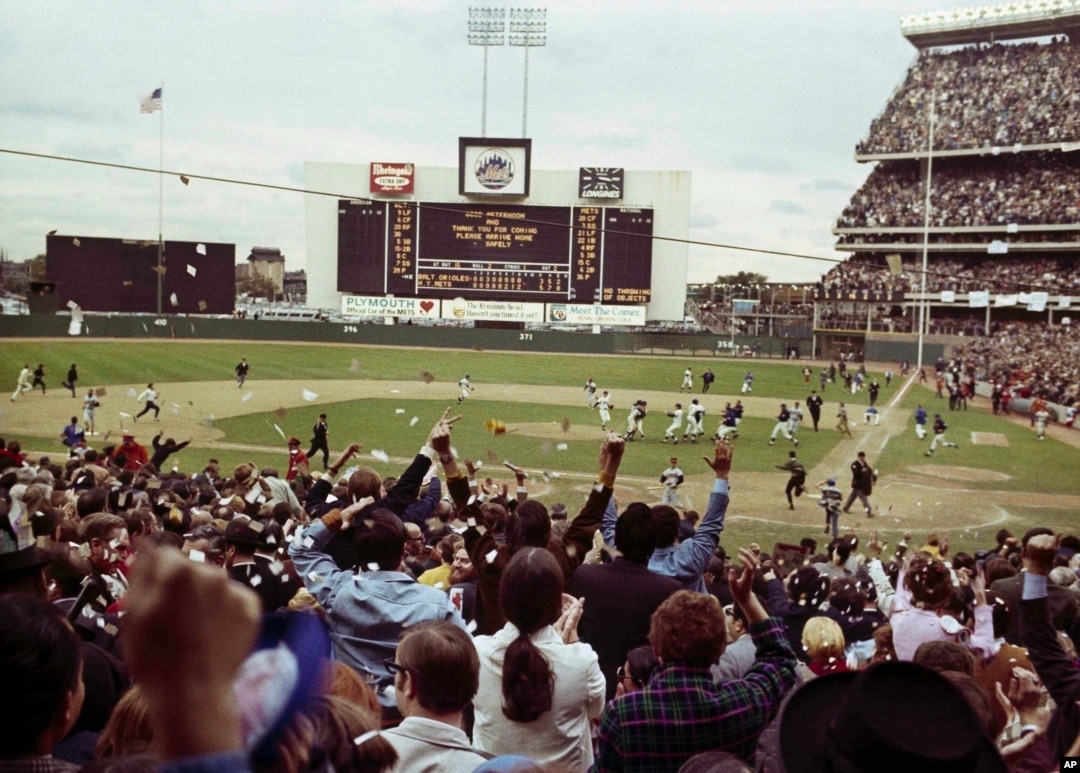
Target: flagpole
{"type": "Point", "coordinates": [161, 198]}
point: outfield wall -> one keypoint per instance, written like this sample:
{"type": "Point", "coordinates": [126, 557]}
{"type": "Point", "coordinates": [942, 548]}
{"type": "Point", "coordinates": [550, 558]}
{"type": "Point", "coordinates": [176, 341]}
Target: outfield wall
{"type": "Point", "coordinates": [144, 327]}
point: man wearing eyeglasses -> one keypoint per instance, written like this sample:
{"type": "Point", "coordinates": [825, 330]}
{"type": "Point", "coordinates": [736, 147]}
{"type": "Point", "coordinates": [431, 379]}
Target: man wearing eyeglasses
{"type": "Point", "coordinates": [436, 674]}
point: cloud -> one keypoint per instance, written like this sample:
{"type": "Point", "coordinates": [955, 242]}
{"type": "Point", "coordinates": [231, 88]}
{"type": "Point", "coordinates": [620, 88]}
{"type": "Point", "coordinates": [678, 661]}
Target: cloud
{"type": "Point", "coordinates": [754, 163]}
{"type": "Point", "coordinates": [787, 207]}
{"type": "Point", "coordinates": [826, 185]}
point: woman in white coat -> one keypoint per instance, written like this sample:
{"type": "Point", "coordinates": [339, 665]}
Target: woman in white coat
{"type": "Point", "coordinates": [539, 686]}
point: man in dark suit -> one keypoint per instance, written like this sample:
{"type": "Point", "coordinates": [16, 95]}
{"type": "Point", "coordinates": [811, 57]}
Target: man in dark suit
{"type": "Point", "coordinates": [621, 597]}
{"type": "Point", "coordinates": [1061, 602]}
{"type": "Point", "coordinates": [242, 538]}
{"type": "Point", "coordinates": [319, 442]}
{"type": "Point", "coordinates": [1053, 666]}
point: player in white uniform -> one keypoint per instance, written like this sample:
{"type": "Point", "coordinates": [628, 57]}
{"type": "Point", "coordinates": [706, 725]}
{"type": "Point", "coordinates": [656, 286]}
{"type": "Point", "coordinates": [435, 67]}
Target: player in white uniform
{"type": "Point", "coordinates": [638, 412]}
{"type": "Point", "coordinates": [23, 384]}
{"type": "Point", "coordinates": [676, 424]}
{"type": "Point", "coordinates": [795, 417]}
{"type": "Point", "coordinates": [687, 381]}
{"type": "Point", "coordinates": [465, 388]}
{"type": "Point", "coordinates": [89, 404]}
{"type": "Point", "coordinates": [590, 392]}
{"type": "Point", "coordinates": [672, 478]}
{"type": "Point", "coordinates": [694, 416]}
{"type": "Point", "coordinates": [603, 404]}
{"type": "Point", "coordinates": [1041, 417]}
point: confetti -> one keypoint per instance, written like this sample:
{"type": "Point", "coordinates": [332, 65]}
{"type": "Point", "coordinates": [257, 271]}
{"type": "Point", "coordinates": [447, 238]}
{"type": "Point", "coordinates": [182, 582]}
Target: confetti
{"type": "Point", "coordinates": [330, 499]}
{"type": "Point", "coordinates": [173, 299]}
{"type": "Point", "coordinates": [491, 556]}
{"type": "Point", "coordinates": [247, 396]}
{"type": "Point", "coordinates": [360, 740]}
{"type": "Point", "coordinates": [201, 249]}
{"type": "Point", "coordinates": [280, 431]}
{"type": "Point", "coordinates": [208, 421]}
{"type": "Point", "coordinates": [565, 424]}
{"type": "Point", "coordinates": [132, 393]}
{"type": "Point", "coordinates": [382, 456]}
{"type": "Point", "coordinates": [426, 376]}
{"type": "Point", "coordinates": [124, 415]}
{"type": "Point", "coordinates": [281, 413]}
{"type": "Point", "coordinates": [413, 420]}
{"type": "Point", "coordinates": [395, 391]}
{"type": "Point", "coordinates": [76, 242]}
{"type": "Point", "coordinates": [102, 392]}
{"type": "Point", "coordinates": [277, 567]}
{"type": "Point", "coordinates": [440, 585]}
{"type": "Point", "coordinates": [197, 556]}
{"type": "Point", "coordinates": [471, 522]}
{"type": "Point", "coordinates": [256, 527]}
{"type": "Point", "coordinates": [315, 577]}
{"type": "Point", "coordinates": [203, 306]}
{"type": "Point", "coordinates": [471, 626]}
{"type": "Point", "coordinates": [255, 581]}
{"type": "Point", "coordinates": [309, 395]}
{"type": "Point", "coordinates": [175, 408]}
{"type": "Point", "coordinates": [191, 268]}
{"type": "Point", "coordinates": [561, 447]}
{"type": "Point", "coordinates": [355, 366]}
{"type": "Point", "coordinates": [399, 410]}
{"type": "Point", "coordinates": [373, 566]}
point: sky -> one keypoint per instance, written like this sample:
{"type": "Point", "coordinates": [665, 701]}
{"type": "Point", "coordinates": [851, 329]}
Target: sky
{"type": "Point", "coordinates": [761, 101]}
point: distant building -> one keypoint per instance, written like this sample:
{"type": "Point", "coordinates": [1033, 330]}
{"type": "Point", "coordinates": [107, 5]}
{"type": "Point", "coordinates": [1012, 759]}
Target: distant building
{"type": "Point", "coordinates": [268, 263]}
{"type": "Point", "coordinates": [296, 286]}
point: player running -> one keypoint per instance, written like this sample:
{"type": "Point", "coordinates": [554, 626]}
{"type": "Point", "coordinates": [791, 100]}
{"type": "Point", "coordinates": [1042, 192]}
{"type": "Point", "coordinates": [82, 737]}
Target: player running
{"type": "Point", "coordinates": [465, 388]}
{"type": "Point", "coordinates": [672, 432]}
{"type": "Point", "coordinates": [939, 435]}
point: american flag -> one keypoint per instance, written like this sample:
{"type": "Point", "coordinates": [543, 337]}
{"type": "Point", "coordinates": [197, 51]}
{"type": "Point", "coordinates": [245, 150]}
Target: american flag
{"type": "Point", "coordinates": [151, 102]}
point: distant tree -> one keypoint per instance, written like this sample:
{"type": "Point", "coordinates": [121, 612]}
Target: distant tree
{"type": "Point", "coordinates": [37, 268]}
{"type": "Point", "coordinates": [256, 286]}
{"type": "Point", "coordinates": [742, 278]}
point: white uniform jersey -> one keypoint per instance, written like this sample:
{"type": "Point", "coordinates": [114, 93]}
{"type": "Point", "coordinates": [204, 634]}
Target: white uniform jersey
{"type": "Point", "coordinates": [149, 395]}
{"type": "Point", "coordinates": [676, 422]}
{"type": "Point", "coordinates": [671, 477]}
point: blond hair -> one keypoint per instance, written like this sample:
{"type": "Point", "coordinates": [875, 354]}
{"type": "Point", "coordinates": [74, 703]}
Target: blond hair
{"type": "Point", "coordinates": [823, 639]}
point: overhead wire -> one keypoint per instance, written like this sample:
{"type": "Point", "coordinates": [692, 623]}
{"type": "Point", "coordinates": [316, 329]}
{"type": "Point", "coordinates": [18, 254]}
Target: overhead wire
{"type": "Point", "coordinates": [186, 177]}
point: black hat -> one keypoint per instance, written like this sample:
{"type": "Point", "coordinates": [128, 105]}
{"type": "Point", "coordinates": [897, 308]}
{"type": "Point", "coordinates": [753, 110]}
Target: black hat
{"type": "Point", "coordinates": [891, 718]}
{"type": "Point", "coordinates": [25, 560]}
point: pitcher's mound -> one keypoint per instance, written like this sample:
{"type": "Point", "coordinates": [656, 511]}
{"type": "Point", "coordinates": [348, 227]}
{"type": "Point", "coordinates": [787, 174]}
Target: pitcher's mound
{"type": "Point", "coordinates": [949, 472]}
{"type": "Point", "coordinates": [989, 439]}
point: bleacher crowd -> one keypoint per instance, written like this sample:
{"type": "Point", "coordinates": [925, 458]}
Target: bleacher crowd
{"type": "Point", "coordinates": [434, 621]}
{"type": "Point", "coordinates": [960, 275]}
{"type": "Point", "coordinates": [987, 95]}
{"type": "Point", "coordinates": [1031, 188]}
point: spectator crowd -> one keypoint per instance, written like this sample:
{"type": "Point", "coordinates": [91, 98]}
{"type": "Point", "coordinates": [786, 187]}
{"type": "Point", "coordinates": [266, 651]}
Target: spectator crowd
{"type": "Point", "coordinates": [1024, 189]}
{"type": "Point", "coordinates": [987, 95]}
{"type": "Point", "coordinates": [435, 621]}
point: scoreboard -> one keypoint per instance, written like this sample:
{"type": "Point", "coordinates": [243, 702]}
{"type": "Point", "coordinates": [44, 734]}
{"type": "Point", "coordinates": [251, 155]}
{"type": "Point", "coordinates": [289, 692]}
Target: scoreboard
{"type": "Point", "coordinates": [495, 251]}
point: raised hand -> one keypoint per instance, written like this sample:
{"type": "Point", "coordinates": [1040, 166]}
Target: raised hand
{"type": "Point", "coordinates": [721, 460]}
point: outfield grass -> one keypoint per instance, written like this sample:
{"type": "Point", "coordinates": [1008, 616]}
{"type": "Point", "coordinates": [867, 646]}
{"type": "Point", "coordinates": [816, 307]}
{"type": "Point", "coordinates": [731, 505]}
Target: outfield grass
{"type": "Point", "coordinates": [124, 361]}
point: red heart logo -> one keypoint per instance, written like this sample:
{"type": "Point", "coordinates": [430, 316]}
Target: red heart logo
{"type": "Point", "coordinates": [427, 306]}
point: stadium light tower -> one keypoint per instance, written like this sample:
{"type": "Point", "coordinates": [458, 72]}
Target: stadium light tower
{"type": "Point", "coordinates": [926, 225]}
{"type": "Point", "coordinates": [528, 29]}
{"type": "Point", "coordinates": [487, 27]}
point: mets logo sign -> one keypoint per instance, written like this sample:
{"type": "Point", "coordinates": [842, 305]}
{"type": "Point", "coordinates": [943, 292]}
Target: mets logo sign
{"type": "Point", "coordinates": [494, 168]}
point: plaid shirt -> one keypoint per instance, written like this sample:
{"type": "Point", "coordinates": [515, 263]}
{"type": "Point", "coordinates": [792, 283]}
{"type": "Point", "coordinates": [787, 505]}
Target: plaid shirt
{"type": "Point", "coordinates": [681, 712]}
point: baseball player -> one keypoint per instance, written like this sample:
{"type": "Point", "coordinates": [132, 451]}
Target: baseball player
{"type": "Point", "coordinates": [89, 404]}
{"type": "Point", "coordinates": [748, 382]}
{"type": "Point", "coordinates": [728, 424]}
{"type": "Point", "coordinates": [590, 392]}
{"type": "Point", "coordinates": [638, 411]}
{"type": "Point", "coordinates": [842, 422]}
{"type": "Point", "coordinates": [794, 419]}
{"type": "Point", "coordinates": [695, 415]}
{"type": "Point", "coordinates": [939, 435]}
{"type": "Point", "coordinates": [1041, 417]}
{"type": "Point", "coordinates": [23, 384]}
{"type": "Point", "coordinates": [872, 416]}
{"type": "Point", "coordinates": [672, 432]}
{"type": "Point", "coordinates": [920, 422]}
{"type": "Point", "coordinates": [782, 426]}
{"type": "Point", "coordinates": [465, 388]}
{"type": "Point", "coordinates": [672, 478]}
{"type": "Point", "coordinates": [687, 381]}
{"type": "Point", "coordinates": [603, 404]}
